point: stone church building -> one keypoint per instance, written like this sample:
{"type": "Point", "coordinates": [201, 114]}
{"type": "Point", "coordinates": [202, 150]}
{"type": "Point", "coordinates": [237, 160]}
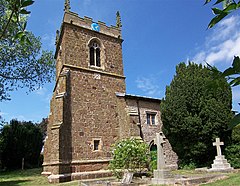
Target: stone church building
{"type": "Point", "coordinates": [90, 109]}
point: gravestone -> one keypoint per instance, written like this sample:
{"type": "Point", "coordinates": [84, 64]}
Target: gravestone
{"type": "Point", "coordinates": [161, 175]}
{"type": "Point", "coordinates": [127, 177]}
{"type": "Point", "coordinates": [220, 164]}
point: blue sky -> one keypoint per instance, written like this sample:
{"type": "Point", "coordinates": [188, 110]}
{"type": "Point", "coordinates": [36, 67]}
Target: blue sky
{"type": "Point", "coordinates": [158, 34]}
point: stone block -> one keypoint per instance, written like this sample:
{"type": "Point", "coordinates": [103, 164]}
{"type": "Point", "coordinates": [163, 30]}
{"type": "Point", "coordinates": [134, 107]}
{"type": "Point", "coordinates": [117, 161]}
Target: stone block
{"type": "Point", "coordinates": [220, 164]}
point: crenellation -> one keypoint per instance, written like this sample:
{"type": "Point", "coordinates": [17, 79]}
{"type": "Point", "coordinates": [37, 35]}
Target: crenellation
{"type": "Point", "coordinates": [74, 19]}
{"type": "Point", "coordinates": [102, 23]}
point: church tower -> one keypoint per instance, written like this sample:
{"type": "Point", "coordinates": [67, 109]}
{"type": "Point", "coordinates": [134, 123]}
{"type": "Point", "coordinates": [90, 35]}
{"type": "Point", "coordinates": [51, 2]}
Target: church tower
{"type": "Point", "coordinates": [90, 110]}
{"type": "Point", "coordinates": [85, 115]}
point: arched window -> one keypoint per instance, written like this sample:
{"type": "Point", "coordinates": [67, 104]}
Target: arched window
{"type": "Point", "coordinates": [95, 54]}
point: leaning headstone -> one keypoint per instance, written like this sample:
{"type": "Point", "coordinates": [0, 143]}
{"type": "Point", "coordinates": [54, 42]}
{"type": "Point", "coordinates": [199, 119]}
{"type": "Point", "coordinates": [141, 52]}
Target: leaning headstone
{"type": "Point", "coordinates": [220, 164]}
{"type": "Point", "coordinates": [161, 175]}
{"type": "Point", "coordinates": [127, 177]}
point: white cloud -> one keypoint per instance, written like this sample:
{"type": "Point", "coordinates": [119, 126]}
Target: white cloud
{"type": "Point", "coordinates": [148, 86]}
{"type": "Point", "coordinates": [41, 91]}
{"type": "Point", "coordinates": [222, 43]}
{"type": "Point", "coordinates": [44, 94]}
{"type": "Point", "coordinates": [49, 39]}
{"type": "Point", "coordinates": [3, 113]}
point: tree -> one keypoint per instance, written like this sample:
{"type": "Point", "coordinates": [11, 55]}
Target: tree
{"type": "Point", "coordinates": [231, 73]}
{"type": "Point", "coordinates": [129, 154]}
{"type": "Point", "coordinates": [196, 110]}
{"type": "Point", "coordinates": [233, 150]}
{"type": "Point", "coordinates": [229, 6]}
{"type": "Point", "coordinates": [22, 62]}
{"type": "Point", "coordinates": [43, 126]}
{"type": "Point", "coordinates": [20, 140]}
{"type": "Point", "coordinates": [12, 11]}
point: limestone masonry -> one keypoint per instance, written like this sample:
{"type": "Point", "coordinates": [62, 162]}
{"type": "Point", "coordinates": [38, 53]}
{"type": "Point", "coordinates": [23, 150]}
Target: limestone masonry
{"type": "Point", "coordinates": [90, 109]}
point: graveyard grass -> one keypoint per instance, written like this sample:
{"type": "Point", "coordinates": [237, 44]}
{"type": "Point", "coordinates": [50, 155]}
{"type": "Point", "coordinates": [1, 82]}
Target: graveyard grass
{"type": "Point", "coordinates": [28, 177]}
{"type": "Point", "coordinates": [34, 177]}
{"type": "Point", "coordinates": [233, 180]}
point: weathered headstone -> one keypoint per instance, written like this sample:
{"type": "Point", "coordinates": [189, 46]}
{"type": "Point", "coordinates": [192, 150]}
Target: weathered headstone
{"type": "Point", "coordinates": [160, 155]}
{"type": "Point", "coordinates": [161, 175]}
{"type": "Point", "coordinates": [127, 177]}
{"type": "Point", "coordinates": [220, 164]}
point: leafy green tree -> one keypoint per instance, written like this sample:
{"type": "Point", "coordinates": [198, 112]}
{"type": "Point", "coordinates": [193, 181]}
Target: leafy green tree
{"type": "Point", "coordinates": [196, 110]}
{"type": "Point", "coordinates": [20, 140]}
{"type": "Point", "coordinates": [129, 154]}
{"type": "Point", "coordinates": [13, 11]}
{"type": "Point", "coordinates": [22, 62]}
{"type": "Point", "coordinates": [229, 6]}
{"type": "Point", "coordinates": [232, 73]}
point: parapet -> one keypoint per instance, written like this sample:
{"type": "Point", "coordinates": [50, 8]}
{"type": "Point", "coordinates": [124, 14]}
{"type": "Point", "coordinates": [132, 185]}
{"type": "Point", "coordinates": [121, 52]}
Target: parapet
{"type": "Point", "coordinates": [74, 19]}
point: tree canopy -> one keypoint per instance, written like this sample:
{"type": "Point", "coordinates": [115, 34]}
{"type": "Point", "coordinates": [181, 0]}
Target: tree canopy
{"type": "Point", "coordinates": [196, 110]}
{"type": "Point", "coordinates": [20, 140]}
{"type": "Point", "coordinates": [22, 62]}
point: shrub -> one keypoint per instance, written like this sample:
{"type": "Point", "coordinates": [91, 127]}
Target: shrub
{"type": "Point", "coordinates": [233, 151]}
{"type": "Point", "coordinates": [189, 166]}
{"type": "Point", "coordinates": [153, 162]}
{"type": "Point", "coordinates": [129, 154]}
{"type": "Point", "coordinates": [233, 155]}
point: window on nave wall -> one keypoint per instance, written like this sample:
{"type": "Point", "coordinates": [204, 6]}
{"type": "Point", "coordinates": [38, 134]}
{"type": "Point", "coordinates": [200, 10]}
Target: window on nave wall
{"type": "Point", "coordinates": [151, 118]}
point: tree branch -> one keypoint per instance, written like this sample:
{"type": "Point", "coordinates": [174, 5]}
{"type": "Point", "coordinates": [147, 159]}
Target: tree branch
{"type": "Point", "coordinates": [5, 29]}
{"type": "Point", "coordinates": [16, 77]}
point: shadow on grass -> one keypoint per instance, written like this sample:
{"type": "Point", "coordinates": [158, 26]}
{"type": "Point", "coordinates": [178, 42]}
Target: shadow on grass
{"type": "Point", "coordinates": [13, 183]}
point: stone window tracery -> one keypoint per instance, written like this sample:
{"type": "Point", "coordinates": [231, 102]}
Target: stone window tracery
{"type": "Point", "coordinates": [95, 54]}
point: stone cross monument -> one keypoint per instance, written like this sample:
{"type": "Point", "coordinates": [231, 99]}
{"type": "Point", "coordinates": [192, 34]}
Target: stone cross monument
{"type": "Point", "coordinates": [220, 164]}
{"type": "Point", "coordinates": [159, 140]}
{"type": "Point", "coordinates": [161, 175]}
{"type": "Point", "coordinates": [218, 146]}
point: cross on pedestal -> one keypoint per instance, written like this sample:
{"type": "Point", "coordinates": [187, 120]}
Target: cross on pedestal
{"type": "Point", "coordinates": [218, 144]}
{"type": "Point", "coordinates": [160, 156]}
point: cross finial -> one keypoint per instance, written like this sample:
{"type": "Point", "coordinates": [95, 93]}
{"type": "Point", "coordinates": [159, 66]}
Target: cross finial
{"type": "Point", "coordinates": [119, 23]}
{"type": "Point", "coordinates": [218, 144]}
{"type": "Point", "coordinates": [67, 6]}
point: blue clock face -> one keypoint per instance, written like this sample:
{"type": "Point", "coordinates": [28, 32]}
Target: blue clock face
{"type": "Point", "coordinates": [95, 27]}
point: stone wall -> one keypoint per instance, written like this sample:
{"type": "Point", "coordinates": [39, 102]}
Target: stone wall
{"type": "Point", "coordinates": [94, 113]}
{"type": "Point", "coordinates": [138, 107]}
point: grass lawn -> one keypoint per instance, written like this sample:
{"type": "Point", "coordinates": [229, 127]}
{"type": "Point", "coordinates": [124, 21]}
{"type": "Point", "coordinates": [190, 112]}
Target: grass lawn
{"type": "Point", "coordinates": [233, 180]}
{"type": "Point", "coordinates": [31, 177]}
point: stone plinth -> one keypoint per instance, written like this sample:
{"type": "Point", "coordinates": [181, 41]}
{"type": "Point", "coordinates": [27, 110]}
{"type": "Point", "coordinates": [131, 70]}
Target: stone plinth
{"type": "Point", "coordinates": [162, 176]}
{"type": "Point", "coordinates": [220, 164]}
